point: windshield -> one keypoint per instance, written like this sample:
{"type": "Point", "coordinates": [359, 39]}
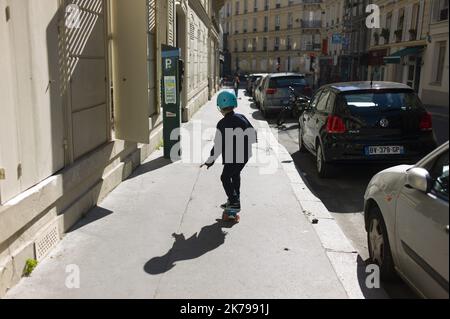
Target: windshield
{"type": "Point", "coordinates": [287, 81]}
{"type": "Point", "coordinates": [374, 101]}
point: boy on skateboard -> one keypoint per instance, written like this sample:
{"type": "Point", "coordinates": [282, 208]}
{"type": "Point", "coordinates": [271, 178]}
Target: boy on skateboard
{"type": "Point", "coordinates": [234, 139]}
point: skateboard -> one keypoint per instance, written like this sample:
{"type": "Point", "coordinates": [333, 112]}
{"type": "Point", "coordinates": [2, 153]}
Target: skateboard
{"type": "Point", "coordinates": [231, 215]}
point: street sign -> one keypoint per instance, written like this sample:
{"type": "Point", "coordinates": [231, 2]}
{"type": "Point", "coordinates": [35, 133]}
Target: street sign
{"type": "Point", "coordinates": [171, 101]}
{"type": "Point", "coordinates": [336, 38]}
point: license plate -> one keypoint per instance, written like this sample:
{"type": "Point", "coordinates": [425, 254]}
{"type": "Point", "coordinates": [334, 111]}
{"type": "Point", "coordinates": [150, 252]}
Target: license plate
{"type": "Point", "coordinates": [384, 150]}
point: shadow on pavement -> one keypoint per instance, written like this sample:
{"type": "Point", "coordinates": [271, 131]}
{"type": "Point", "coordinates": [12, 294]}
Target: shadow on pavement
{"type": "Point", "coordinates": [344, 192]}
{"type": "Point", "coordinates": [92, 216]}
{"type": "Point", "coordinates": [150, 166]}
{"type": "Point", "coordinates": [210, 237]}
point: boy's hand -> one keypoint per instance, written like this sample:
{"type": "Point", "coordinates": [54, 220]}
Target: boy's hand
{"type": "Point", "coordinates": [208, 165]}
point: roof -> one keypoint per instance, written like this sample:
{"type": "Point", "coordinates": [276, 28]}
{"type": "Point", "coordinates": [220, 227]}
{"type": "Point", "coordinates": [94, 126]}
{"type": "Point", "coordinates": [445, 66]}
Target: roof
{"type": "Point", "coordinates": [367, 85]}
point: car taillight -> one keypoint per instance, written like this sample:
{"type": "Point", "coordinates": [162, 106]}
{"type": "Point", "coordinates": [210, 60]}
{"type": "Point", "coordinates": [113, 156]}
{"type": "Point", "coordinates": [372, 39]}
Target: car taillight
{"type": "Point", "coordinates": [307, 91]}
{"type": "Point", "coordinates": [271, 91]}
{"type": "Point", "coordinates": [426, 122]}
{"type": "Point", "coordinates": [335, 125]}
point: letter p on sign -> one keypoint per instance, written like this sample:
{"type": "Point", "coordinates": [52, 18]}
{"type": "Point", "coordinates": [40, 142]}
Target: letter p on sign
{"type": "Point", "coordinates": [168, 64]}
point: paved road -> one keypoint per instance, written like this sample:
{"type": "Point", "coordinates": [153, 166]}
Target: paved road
{"type": "Point", "coordinates": [343, 195]}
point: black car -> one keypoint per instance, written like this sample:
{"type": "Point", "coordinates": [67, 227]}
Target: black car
{"type": "Point", "coordinates": [365, 122]}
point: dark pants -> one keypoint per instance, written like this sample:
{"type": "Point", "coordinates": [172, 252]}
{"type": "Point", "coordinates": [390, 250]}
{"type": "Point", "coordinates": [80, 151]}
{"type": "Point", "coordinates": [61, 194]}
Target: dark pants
{"type": "Point", "coordinates": [231, 180]}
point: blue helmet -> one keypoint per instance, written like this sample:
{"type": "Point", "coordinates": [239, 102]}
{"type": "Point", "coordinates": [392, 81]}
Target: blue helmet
{"type": "Point", "coordinates": [226, 99]}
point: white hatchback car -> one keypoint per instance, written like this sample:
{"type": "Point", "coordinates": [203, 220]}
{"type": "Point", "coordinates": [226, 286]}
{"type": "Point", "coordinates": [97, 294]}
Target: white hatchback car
{"type": "Point", "coordinates": [406, 214]}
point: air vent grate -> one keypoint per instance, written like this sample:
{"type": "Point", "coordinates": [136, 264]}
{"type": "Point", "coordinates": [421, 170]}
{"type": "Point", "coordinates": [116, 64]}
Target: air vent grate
{"type": "Point", "coordinates": [46, 242]}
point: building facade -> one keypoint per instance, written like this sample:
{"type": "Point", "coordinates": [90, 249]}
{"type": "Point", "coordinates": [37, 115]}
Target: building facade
{"type": "Point", "coordinates": [434, 84]}
{"type": "Point", "coordinates": [273, 35]}
{"type": "Point", "coordinates": [398, 48]}
{"type": "Point", "coordinates": [81, 106]}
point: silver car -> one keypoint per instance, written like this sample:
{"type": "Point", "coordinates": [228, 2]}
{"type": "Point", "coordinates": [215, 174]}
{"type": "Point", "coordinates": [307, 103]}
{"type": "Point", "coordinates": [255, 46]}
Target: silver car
{"type": "Point", "coordinates": [406, 213]}
{"type": "Point", "coordinates": [258, 93]}
{"type": "Point", "coordinates": [275, 93]}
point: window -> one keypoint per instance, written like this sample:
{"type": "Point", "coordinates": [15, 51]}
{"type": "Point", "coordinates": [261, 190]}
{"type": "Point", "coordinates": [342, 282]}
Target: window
{"type": "Point", "coordinates": [288, 43]}
{"type": "Point", "coordinates": [245, 6]}
{"type": "Point", "coordinates": [277, 23]}
{"type": "Point", "coordinates": [323, 102]}
{"type": "Point", "coordinates": [255, 24]}
{"type": "Point", "coordinates": [254, 44]}
{"type": "Point", "coordinates": [266, 5]}
{"type": "Point", "coordinates": [266, 24]}
{"type": "Point", "coordinates": [245, 25]}
{"type": "Point", "coordinates": [265, 44]}
{"type": "Point", "coordinates": [441, 48]}
{"type": "Point", "coordinates": [374, 102]}
{"type": "Point", "coordinates": [290, 20]}
{"type": "Point", "coordinates": [439, 176]}
{"type": "Point", "coordinates": [389, 21]}
{"type": "Point", "coordinates": [315, 100]}
{"type": "Point", "coordinates": [278, 4]}
{"type": "Point", "coordinates": [277, 44]}
{"type": "Point", "coordinates": [255, 6]}
{"type": "Point", "coordinates": [440, 10]}
{"type": "Point", "coordinates": [244, 46]}
{"type": "Point", "coordinates": [237, 7]}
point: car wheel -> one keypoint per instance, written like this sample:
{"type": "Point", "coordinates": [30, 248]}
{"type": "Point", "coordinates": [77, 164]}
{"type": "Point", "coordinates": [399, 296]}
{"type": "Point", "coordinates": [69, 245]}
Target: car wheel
{"type": "Point", "coordinates": [323, 168]}
{"type": "Point", "coordinates": [379, 247]}
{"type": "Point", "coordinates": [301, 145]}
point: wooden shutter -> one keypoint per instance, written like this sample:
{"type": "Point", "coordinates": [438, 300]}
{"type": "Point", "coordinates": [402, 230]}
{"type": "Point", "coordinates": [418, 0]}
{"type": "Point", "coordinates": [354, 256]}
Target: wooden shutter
{"type": "Point", "coordinates": [130, 75]}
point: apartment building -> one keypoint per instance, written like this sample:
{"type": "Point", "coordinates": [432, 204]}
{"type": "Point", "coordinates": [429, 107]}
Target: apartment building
{"type": "Point", "coordinates": [333, 42]}
{"type": "Point", "coordinates": [397, 50]}
{"type": "Point", "coordinates": [273, 35]}
{"type": "Point", "coordinates": [434, 84]}
{"type": "Point", "coordinates": [81, 106]}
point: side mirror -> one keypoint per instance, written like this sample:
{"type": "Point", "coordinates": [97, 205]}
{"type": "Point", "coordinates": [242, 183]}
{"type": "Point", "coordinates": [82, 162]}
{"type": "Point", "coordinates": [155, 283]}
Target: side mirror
{"type": "Point", "coordinates": [418, 179]}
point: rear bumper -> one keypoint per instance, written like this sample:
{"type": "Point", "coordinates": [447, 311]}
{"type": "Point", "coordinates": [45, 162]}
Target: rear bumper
{"type": "Point", "coordinates": [348, 150]}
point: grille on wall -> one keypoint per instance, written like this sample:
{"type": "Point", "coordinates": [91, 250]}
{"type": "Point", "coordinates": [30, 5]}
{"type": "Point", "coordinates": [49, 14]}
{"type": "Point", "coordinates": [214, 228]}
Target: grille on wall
{"type": "Point", "coordinates": [46, 242]}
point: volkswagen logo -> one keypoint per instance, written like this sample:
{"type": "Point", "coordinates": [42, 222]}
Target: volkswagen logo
{"type": "Point", "coordinates": [384, 123]}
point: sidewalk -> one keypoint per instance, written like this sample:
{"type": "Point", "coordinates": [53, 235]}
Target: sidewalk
{"type": "Point", "coordinates": [158, 235]}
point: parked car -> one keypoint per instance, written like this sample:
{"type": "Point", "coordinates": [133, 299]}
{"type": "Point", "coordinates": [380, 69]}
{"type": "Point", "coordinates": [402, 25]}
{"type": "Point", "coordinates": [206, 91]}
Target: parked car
{"type": "Point", "coordinates": [406, 214]}
{"type": "Point", "coordinates": [365, 122]}
{"type": "Point", "coordinates": [251, 79]}
{"type": "Point", "coordinates": [258, 93]}
{"type": "Point", "coordinates": [275, 93]}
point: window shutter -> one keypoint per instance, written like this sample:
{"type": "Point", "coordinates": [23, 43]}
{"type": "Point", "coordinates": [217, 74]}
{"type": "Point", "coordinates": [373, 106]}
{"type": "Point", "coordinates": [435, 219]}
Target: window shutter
{"type": "Point", "coordinates": [130, 77]}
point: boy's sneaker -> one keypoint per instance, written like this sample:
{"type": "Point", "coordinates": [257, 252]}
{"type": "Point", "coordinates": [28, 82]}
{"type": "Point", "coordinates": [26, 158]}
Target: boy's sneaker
{"type": "Point", "coordinates": [224, 206]}
{"type": "Point", "coordinates": [234, 206]}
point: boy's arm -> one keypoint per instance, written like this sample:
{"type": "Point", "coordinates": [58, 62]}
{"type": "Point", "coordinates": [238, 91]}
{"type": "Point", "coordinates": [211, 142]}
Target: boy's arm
{"type": "Point", "coordinates": [216, 151]}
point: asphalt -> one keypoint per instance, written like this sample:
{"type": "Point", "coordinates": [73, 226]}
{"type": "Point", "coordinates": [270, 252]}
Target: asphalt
{"type": "Point", "coordinates": [159, 235]}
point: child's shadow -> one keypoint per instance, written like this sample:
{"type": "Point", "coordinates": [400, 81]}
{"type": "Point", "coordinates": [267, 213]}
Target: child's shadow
{"type": "Point", "coordinates": [209, 238]}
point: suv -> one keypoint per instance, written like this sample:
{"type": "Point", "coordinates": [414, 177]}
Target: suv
{"type": "Point", "coordinates": [275, 93]}
{"type": "Point", "coordinates": [365, 122]}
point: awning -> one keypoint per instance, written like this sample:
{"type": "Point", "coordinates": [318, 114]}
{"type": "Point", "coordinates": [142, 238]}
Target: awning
{"type": "Point", "coordinates": [396, 57]}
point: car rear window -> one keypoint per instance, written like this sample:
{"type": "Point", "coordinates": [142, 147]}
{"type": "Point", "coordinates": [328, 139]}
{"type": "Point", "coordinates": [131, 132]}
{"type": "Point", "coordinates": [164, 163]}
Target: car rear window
{"type": "Point", "coordinates": [287, 81]}
{"type": "Point", "coordinates": [373, 101]}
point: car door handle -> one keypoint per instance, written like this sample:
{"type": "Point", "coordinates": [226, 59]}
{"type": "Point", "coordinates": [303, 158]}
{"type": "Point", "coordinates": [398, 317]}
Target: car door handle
{"type": "Point", "coordinates": [446, 229]}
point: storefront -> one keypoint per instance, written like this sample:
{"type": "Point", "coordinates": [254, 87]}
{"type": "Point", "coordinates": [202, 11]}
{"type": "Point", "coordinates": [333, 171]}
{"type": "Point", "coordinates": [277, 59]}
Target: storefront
{"type": "Point", "coordinates": [407, 65]}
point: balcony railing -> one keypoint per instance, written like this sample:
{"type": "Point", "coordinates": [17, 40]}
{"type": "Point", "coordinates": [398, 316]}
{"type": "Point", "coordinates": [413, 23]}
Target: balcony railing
{"type": "Point", "coordinates": [312, 1]}
{"type": "Point", "coordinates": [311, 24]}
